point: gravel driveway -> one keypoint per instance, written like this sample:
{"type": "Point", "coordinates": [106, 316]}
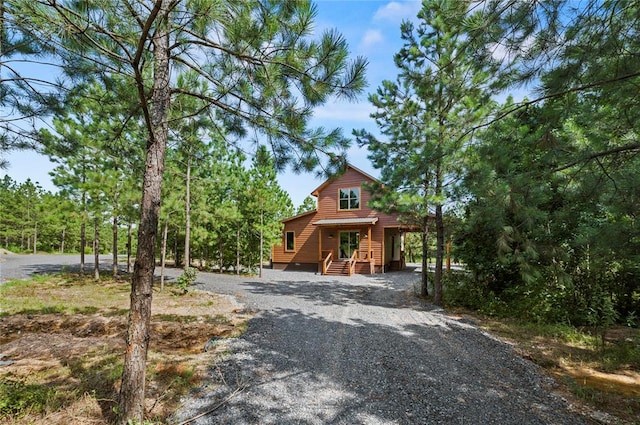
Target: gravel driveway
{"type": "Point", "coordinates": [362, 350]}
{"type": "Point", "coordinates": [358, 350]}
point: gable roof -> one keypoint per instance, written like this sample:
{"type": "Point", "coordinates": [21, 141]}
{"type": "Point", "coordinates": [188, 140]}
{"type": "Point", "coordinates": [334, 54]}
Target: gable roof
{"type": "Point", "coordinates": [316, 192]}
{"type": "Point", "coordinates": [299, 215]}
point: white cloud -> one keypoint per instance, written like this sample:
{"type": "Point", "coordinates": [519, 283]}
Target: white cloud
{"type": "Point", "coordinates": [396, 11]}
{"type": "Point", "coordinates": [371, 38]}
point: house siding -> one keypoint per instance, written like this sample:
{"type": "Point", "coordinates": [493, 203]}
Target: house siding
{"type": "Point", "coordinates": [305, 256]}
{"type": "Point", "coordinates": [305, 250]}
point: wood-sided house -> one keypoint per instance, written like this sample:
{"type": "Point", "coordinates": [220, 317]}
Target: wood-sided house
{"type": "Point", "coordinates": [343, 235]}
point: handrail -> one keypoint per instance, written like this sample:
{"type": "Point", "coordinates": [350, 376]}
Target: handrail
{"type": "Point", "coordinates": [352, 262]}
{"type": "Point", "coordinates": [327, 262]}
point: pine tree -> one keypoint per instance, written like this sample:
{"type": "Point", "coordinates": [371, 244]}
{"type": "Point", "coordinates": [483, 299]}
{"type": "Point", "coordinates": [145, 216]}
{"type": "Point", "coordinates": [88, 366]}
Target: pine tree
{"type": "Point", "coordinates": [441, 93]}
{"type": "Point", "coordinates": [308, 204]}
{"type": "Point", "coordinates": [263, 71]}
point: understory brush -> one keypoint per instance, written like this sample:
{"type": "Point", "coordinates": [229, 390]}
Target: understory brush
{"type": "Point", "coordinates": [594, 353]}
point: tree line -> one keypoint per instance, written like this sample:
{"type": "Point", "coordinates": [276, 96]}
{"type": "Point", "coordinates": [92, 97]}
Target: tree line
{"type": "Point", "coordinates": [537, 196]}
{"type": "Point", "coordinates": [233, 203]}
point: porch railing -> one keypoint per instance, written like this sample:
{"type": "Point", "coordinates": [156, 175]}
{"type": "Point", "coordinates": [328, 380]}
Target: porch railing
{"type": "Point", "coordinates": [326, 262]}
{"type": "Point", "coordinates": [352, 262]}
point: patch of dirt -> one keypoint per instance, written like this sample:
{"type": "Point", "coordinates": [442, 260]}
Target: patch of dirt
{"type": "Point", "coordinates": [626, 383]}
{"type": "Point", "coordinates": [47, 335]}
{"type": "Point", "coordinates": [78, 354]}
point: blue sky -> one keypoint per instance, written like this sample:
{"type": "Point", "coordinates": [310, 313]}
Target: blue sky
{"type": "Point", "coordinates": [371, 28]}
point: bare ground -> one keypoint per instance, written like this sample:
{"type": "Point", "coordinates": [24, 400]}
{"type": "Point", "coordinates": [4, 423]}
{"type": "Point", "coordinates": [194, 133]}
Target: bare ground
{"type": "Point", "coordinates": [76, 358]}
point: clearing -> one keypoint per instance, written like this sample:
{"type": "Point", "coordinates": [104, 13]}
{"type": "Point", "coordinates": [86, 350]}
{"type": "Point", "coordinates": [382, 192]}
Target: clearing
{"type": "Point", "coordinates": [62, 342]}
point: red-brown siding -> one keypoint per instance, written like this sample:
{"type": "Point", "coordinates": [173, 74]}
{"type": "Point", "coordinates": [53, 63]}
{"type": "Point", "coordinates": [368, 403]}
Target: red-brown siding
{"type": "Point", "coordinates": [306, 234]}
{"type": "Point", "coordinates": [305, 241]}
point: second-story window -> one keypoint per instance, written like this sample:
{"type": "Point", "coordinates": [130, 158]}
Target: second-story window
{"type": "Point", "coordinates": [349, 199]}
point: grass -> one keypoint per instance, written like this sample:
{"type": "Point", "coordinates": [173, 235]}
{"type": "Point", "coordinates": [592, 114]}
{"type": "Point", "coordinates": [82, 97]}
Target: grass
{"type": "Point", "coordinates": [20, 397]}
{"type": "Point", "coordinates": [65, 334]}
{"type": "Point", "coordinates": [605, 378]}
{"type": "Point", "coordinates": [64, 294]}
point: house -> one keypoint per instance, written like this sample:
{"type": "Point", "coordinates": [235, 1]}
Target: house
{"type": "Point", "coordinates": [343, 235]}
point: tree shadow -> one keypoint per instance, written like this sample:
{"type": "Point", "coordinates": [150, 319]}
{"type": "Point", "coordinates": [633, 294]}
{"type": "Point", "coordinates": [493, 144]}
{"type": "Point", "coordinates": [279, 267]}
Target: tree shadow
{"type": "Point", "coordinates": [296, 368]}
{"type": "Point", "coordinates": [382, 291]}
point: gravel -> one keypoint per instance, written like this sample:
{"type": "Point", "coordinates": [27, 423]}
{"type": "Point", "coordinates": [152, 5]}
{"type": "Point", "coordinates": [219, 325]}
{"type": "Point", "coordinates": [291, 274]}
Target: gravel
{"type": "Point", "coordinates": [363, 350]}
{"type": "Point", "coordinates": [350, 350]}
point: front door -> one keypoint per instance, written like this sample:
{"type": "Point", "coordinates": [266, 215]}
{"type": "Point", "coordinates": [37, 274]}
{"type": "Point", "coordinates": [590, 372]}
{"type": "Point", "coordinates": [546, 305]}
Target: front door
{"type": "Point", "coordinates": [349, 242]}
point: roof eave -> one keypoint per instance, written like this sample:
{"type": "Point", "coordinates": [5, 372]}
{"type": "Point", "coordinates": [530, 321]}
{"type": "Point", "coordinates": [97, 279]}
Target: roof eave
{"type": "Point", "coordinates": [316, 192]}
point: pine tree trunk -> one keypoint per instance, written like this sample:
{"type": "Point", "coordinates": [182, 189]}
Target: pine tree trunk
{"type": "Point", "coordinates": [437, 284]}
{"type": "Point", "coordinates": [163, 253]}
{"type": "Point", "coordinates": [114, 230]}
{"type": "Point", "coordinates": [238, 250]}
{"type": "Point", "coordinates": [64, 231]}
{"type": "Point", "coordinates": [261, 241]}
{"type": "Point", "coordinates": [220, 255]}
{"type": "Point", "coordinates": [437, 281]}
{"type": "Point", "coordinates": [424, 292]}
{"type": "Point", "coordinates": [96, 249]}
{"type": "Point", "coordinates": [132, 392]}
{"type": "Point", "coordinates": [129, 249]}
{"type": "Point", "coordinates": [187, 213]}
{"type": "Point", "coordinates": [35, 238]}
{"type": "Point", "coordinates": [83, 235]}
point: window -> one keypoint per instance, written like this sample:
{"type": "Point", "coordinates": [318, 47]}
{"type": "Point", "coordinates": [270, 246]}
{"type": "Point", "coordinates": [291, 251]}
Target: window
{"type": "Point", "coordinates": [349, 242]}
{"type": "Point", "coordinates": [289, 244]}
{"type": "Point", "coordinates": [349, 199]}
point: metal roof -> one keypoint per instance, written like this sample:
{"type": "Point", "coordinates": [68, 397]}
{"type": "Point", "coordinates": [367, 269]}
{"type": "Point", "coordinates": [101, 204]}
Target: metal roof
{"type": "Point", "coordinates": [345, 221]}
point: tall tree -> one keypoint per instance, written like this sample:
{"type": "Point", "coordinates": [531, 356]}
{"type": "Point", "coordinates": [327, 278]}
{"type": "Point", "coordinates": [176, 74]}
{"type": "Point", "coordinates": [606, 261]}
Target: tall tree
{"type": "Point", "coordinates": [266, 205]}
{"type": "Point", "coordinates": [308, 204]}
{"type": "Point", "coordinates": [94, 143]}
{"type": "Point", "coordinates": [262, 70]}
{"type": "Point", "coordinates": [192, 139]}
{"type": "Point", "coordinates": [441, 93]}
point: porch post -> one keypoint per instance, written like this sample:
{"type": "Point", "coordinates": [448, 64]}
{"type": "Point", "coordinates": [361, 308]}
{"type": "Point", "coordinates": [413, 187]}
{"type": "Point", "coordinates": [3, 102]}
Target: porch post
{"type": "Point", "coordinates": [319, 243]}
{"type": "Point", "coordinates": [369, 256]}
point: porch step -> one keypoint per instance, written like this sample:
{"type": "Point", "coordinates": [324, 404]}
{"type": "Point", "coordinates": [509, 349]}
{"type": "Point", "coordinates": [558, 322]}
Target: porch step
{"type": "Point", "coordinates": [338, 268]}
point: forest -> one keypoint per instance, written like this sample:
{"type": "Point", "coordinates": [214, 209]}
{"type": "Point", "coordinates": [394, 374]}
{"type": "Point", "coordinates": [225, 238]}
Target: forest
{"type": "Point", "coordinates": [230, 202]}
{"type": "Point", "coordinates": [537, 195]}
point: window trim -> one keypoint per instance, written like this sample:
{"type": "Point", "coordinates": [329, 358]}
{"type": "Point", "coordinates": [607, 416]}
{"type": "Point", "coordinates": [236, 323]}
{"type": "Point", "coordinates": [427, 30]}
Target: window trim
{"type": "Point", "coordinates": [286, 241]}
{"type": "Point", "coordinates": [349, 199]}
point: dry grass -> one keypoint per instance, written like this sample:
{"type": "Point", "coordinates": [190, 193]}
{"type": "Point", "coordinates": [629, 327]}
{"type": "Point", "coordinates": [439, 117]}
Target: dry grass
{"type": "Point", "coordinates": [65, 338]}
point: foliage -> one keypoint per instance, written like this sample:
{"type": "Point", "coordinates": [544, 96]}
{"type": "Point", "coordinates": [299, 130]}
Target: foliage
{"type": "Point", "coordinates": [18, 398]}
{"type": "Point", "coordinates": [442, 91]}
{"type": "Point", "coordinates": [35, 220]}
{"type": "Point", "coordinates": [308, 204]}
{"type": "Point", "coordinates": [187, 278]}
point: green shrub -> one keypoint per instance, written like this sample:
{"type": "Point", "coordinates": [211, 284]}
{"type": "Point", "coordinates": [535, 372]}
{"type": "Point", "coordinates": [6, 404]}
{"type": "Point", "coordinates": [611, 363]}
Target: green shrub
{"type": "Point", "coordinates": [462, 291]}
{"type": "Point", "coordinates": [18, 398]}
{"type": "Point", "coordinates": [187, 278]}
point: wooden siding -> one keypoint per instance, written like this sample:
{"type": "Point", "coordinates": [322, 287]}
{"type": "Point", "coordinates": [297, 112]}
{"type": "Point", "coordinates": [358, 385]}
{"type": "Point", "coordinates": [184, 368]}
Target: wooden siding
{"type": "Point", "coordinates": [306, 234]}
{"type": "Point", "coordinates": [305, 241]}
{"type": "Point", "coordinates": [328, 209]}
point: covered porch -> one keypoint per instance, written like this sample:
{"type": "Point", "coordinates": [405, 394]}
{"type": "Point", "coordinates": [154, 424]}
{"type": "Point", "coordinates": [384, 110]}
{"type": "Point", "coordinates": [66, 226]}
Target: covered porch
{"type": "Point", "coordinates": [347, 246]}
